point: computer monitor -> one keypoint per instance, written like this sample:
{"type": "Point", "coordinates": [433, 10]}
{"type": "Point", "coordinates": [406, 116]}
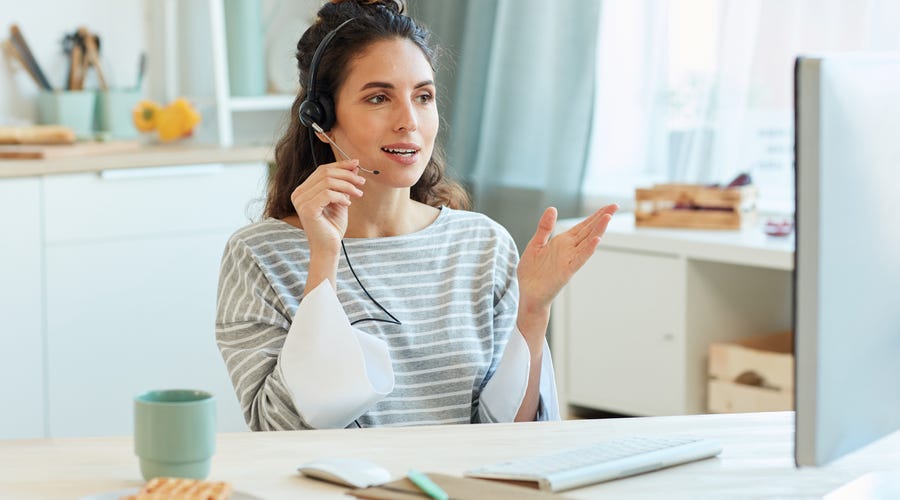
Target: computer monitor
{"type": "Point", "coordinates": [847, 259]}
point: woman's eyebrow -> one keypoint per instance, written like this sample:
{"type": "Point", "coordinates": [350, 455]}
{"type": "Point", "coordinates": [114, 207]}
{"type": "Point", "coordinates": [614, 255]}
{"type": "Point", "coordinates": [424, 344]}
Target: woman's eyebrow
{"type": "Point", "coordinates": [386, 85]}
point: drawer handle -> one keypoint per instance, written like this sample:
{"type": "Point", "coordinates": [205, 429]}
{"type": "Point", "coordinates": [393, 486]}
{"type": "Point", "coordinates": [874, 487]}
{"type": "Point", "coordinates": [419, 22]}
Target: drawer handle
{"type": "Point", "coordinates": [166, 171]}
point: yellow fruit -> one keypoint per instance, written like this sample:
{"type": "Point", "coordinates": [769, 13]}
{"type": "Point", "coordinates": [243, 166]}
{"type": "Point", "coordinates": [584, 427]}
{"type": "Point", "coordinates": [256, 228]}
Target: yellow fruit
{"type": "Point", "coordinates": [145, 115]}
{"type": "Point", "coordinates": [177, 120]}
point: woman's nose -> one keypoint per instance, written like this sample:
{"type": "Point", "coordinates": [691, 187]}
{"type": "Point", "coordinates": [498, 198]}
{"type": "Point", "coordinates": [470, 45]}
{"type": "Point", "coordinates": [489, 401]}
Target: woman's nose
{"type": "Point", "coordinates": [406, 119]}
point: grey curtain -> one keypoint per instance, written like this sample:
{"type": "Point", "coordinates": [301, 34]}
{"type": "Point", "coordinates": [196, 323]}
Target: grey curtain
{"type": "Point", "coordinates": [517, 78]}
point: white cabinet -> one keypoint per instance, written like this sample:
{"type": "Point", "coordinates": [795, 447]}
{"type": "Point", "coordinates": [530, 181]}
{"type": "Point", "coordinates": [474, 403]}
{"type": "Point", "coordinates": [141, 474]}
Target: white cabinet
{"type": "Point", "coordinates": [631, 330]}
{"type": "Point", "coordinates": [626, 341]}
{"type": "Point", "coordinates": [21, 319]}
{"type": "Point", "coordinates": [127, 316]}
{"type": "Point", "coordinates": [131, 277]}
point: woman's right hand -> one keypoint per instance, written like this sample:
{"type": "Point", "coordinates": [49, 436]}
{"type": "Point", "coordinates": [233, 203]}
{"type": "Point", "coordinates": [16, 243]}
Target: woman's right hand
{"type": "Point", "coordinates": [322, 202]}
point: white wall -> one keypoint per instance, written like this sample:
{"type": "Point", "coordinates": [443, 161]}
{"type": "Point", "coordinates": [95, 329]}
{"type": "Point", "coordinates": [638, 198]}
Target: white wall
{"type": "Point", "coordinates": [121, 24]}
{"type": "Point", "coordinates": [128, 27]}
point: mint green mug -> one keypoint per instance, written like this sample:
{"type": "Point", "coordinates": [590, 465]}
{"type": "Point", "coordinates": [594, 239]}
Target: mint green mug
{"type": "Point", "coordinates": [175, 433]}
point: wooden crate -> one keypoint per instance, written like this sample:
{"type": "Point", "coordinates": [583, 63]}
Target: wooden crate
{"type": "Point", "coordinates": [754, 374]}
{"type": "Point", "coordinates": [695, 206]}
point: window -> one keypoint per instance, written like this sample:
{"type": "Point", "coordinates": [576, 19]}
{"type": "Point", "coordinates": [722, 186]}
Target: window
{"type": "Point", "coordinates": [701, 90]}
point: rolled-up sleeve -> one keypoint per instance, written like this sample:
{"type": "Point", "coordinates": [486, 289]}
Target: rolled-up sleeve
{"type": "Point", "coordinates": [277, 364]}
{"type": "Point", "coordinates": [321, 344]}
{"type": "Point", "coordinates": [503, 394]}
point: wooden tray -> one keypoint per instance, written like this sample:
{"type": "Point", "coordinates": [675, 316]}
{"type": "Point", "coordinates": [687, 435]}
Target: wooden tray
{"type": "Point", "coordinates": [695, 206]}
{"type": "Point", "coordinates": [40, 152]}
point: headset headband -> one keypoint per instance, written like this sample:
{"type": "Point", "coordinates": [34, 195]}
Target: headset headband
{"type": "Point", "coordinates": [312, 93]}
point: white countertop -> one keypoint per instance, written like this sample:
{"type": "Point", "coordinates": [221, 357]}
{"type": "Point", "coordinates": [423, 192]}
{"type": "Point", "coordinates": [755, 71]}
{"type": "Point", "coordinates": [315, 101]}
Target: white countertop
{"type": "Point", "coordinates": [749, 246]}
{"type": "Point", "coordinates": [146, 156]}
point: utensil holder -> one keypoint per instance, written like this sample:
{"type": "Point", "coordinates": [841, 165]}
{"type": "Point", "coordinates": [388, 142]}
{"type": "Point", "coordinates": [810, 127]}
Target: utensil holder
{"type": "Point", "coordinates": [73, 109]}
{"type": "Point", "coordinates": [114, 112]}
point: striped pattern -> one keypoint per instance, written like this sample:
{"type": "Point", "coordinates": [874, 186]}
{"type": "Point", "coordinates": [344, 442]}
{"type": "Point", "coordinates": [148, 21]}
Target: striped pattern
{"type": "Point", "coordinates": [452, 285]}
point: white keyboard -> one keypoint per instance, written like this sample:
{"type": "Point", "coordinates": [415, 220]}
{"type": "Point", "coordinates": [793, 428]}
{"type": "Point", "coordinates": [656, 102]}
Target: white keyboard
{"type": "Point", "coordinates": [600, 461]}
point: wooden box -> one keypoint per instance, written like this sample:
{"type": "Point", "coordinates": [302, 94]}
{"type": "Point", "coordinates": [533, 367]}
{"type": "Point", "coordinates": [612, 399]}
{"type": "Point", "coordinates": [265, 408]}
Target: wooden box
{"type": "Point", "coordinates": [753, 374]}
{"type": "Point", "coordinates": [695, 206]}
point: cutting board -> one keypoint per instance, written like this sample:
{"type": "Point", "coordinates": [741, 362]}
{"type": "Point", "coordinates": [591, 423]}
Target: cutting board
{"type": "Point", "coordinates": [42, 152]}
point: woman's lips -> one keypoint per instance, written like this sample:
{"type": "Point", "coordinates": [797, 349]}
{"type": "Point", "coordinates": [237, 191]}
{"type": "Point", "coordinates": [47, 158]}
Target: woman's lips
{"type": "Point", "coordinates": [404, 154]}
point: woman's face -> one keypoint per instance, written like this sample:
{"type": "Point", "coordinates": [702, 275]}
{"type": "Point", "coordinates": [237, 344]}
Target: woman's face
{"type": "Point", "coordinates": [386, 112]}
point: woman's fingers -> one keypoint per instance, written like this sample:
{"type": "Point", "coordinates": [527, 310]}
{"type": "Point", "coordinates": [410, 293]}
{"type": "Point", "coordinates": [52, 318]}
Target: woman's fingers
{"type": "Point", "coordinates": [340, 180]}
{"type": "Point", "coordinates": [588, 237]}
{"type": "Point", "coordinates": [333, 197]}
{"type": "Point", "coordinates": [347, 170]}
{"type": "Point", "coordinates": [583, 228]}
{"type": "Point", "coordinates": [349, 165]}
{"type": "Point", "coordinates": [341, 186]}
{"type": "Point", "coordinates": [583, 249]}
{"type": "Point", "coordinates": [587, 245]}
{"type": "Point", "coordinates": [318, 203]}
{"type": "Point", "coordinates": [313, 204]}
{"type": "Point", "coordinates": [599, 226]}
{"type": "Point", "coordinates": [328, 183]}
{"type": "Point", "coordinates": [589, 226]}
{"type": "Point", "coordinates": [609, 209]}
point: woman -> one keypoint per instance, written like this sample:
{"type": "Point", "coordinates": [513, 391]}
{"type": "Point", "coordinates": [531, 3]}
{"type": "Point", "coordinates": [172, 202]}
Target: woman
{"type": "Point", "coordinates": [362, 228]}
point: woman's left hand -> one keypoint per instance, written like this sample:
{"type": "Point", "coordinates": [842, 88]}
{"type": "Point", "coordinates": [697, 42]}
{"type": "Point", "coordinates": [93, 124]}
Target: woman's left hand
{"type": "Point", "coordinates": [548, 263]}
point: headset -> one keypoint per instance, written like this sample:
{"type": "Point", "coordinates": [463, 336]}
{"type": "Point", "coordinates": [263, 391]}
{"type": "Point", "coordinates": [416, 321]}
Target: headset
{"type": "Point", "coordinates": [316, 109]}
{"type": "Point", "coordinates": [317, 114]}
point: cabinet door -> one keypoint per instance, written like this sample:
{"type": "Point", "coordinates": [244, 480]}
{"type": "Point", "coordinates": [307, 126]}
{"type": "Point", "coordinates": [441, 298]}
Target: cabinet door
{"type": "Point", "coordinates": [626, 342]}
{"type": "Point", "coordinates": [131, 292]}
{"type": "Point", "coordinates": [129, 316]}
{"type": "Point", "coordinates": [21, 318]}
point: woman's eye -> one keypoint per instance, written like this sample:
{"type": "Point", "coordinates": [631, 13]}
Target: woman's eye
{"type": "Point", "coordinates": [425, 98]}
{"type": "Point", "coordinates": [376, 99]}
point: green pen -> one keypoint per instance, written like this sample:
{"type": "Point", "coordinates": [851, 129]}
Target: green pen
{"type": "Point", "coordinates": [427, 485]}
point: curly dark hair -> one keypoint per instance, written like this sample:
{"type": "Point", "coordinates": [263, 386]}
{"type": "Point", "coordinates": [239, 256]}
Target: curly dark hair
{"type": "Point", "coordinates": [295, 155]}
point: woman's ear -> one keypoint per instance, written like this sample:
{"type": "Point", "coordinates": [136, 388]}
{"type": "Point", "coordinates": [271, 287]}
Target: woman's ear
{"type": "Point", "coordinates": [322, 136]}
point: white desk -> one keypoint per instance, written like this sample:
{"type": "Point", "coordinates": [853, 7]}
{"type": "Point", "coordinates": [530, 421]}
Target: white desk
{"type": "Point", "coordinates": [757, 461]}
{"type": "Point", "coordinates": [631, 330]}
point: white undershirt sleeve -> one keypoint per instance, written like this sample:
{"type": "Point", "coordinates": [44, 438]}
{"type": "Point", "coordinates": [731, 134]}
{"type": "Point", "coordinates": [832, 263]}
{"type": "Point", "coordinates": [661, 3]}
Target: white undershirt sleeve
{"type": "Point", "coordinates": [333, 371]}
{"type": "Point", "coordinates": [502, 396]}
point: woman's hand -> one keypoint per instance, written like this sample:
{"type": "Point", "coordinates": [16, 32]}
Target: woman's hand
{"type": "Point", "coordinates": [322, 202]}
{"type": "Point", "coordinates": [547, 264]}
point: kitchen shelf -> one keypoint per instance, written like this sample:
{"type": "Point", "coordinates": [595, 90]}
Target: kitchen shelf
{"type": "Point", "coordinates": [225, 103]}
{"type": "Point", "coordinates": [215, 96]}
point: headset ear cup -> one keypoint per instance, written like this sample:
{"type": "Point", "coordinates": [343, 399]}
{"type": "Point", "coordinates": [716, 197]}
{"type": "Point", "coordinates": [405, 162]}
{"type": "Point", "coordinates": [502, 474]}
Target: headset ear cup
{"type": "Point", "coordinates": [326, 106]}
{"type": "Point", "coordinates": [310, 112]}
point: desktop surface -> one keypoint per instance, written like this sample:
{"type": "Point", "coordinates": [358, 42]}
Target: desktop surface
{"type": "Point", "coordinates": [757, 460]}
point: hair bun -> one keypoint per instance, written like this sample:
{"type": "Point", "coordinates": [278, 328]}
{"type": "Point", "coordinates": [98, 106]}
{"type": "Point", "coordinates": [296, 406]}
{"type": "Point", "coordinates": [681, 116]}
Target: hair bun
{"type": "Point", "coordinates": [398, 6]}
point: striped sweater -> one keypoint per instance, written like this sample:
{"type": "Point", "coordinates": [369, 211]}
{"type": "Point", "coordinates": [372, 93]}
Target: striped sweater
{"type": "Point", "coordinates": [453, 287]}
